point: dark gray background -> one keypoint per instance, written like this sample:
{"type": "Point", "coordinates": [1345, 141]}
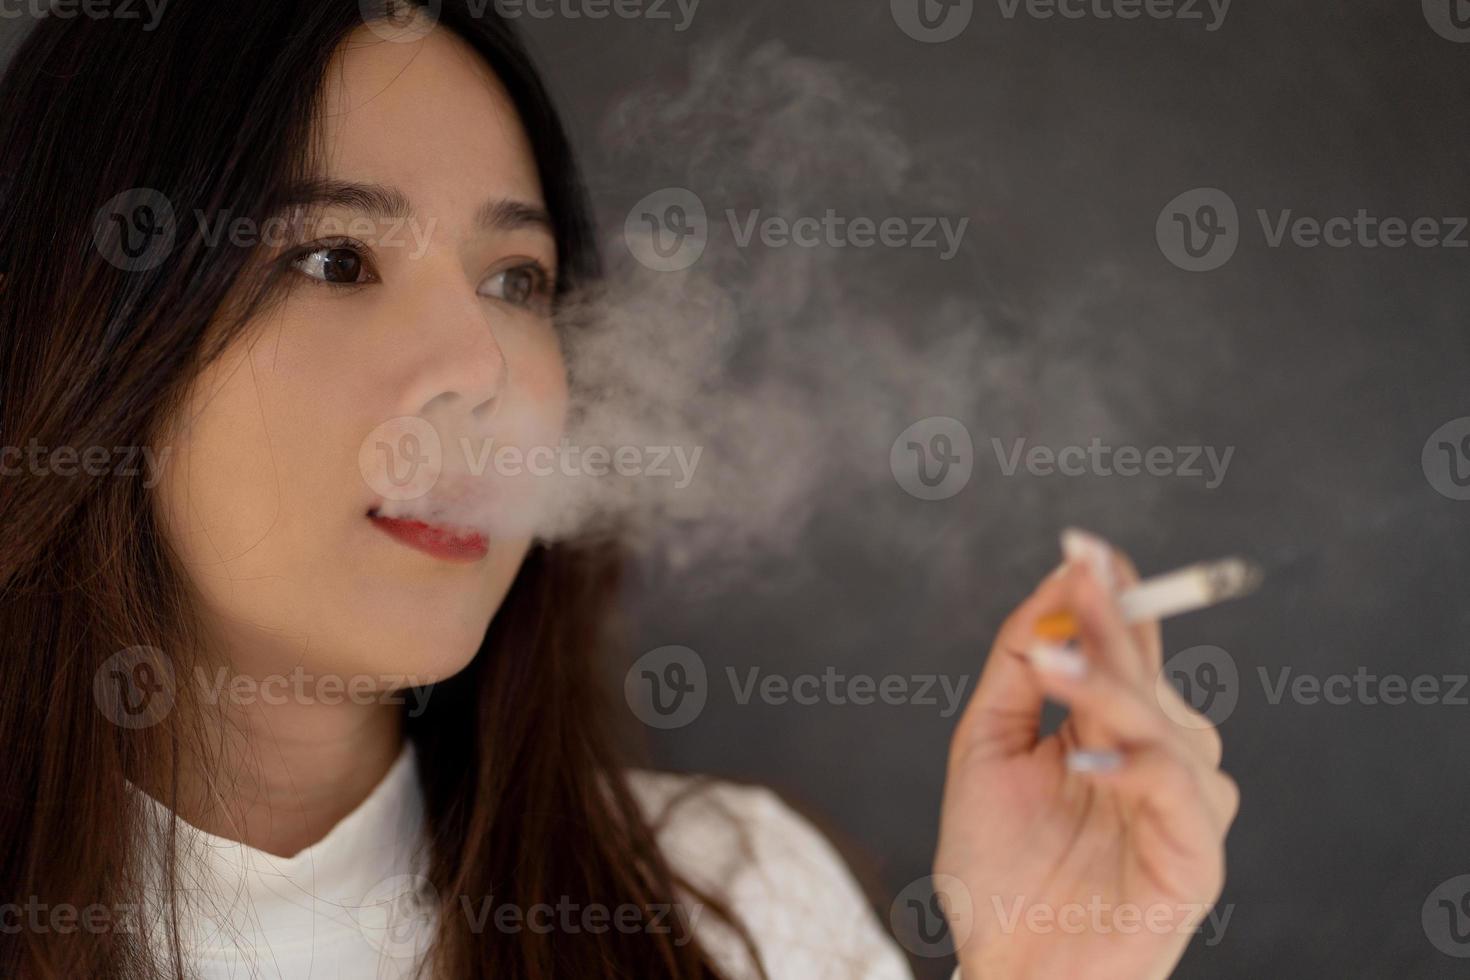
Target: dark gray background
{"type": "Point", "coordinates": [1327, 369]}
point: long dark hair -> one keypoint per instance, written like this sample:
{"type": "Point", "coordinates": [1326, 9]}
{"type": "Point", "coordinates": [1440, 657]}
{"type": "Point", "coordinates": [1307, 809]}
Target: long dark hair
{"type": "Point", "coordinates": [213, 108]}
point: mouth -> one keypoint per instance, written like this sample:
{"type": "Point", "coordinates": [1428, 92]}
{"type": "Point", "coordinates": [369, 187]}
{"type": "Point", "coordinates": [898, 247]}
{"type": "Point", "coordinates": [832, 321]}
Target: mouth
{"type": "Point", "coordinates": [446, 542]}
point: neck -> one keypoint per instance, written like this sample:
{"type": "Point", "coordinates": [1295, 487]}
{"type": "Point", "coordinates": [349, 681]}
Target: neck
{"type": "Point", "coordinates": [286, 774]}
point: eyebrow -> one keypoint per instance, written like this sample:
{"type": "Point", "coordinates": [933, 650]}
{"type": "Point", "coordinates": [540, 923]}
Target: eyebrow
{"type": "Point", "coordinates": [382, 202]}
{"type": "Point", "coordinates": [508, 215]}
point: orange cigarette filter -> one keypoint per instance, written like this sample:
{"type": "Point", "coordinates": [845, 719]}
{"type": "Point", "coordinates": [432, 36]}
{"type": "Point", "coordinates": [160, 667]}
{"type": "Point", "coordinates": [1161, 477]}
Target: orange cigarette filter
{"type": "Point", "coordinates": [1057, 627]}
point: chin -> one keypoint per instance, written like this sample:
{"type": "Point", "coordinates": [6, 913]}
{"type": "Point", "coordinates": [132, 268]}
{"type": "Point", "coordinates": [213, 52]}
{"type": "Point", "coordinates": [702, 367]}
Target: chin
{"type": "Point", "coordinates": [426, 651]}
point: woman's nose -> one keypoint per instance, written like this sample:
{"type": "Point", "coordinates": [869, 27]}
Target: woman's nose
{"type": "Point", "coordinates": [464, 371]}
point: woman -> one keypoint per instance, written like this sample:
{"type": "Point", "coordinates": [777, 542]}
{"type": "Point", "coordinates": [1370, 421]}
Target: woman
{"type": "Point", "coordinates": [260, 723]}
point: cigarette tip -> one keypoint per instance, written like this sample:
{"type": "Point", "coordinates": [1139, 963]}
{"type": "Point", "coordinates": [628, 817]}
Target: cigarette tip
{"type": "Point", "coordinates": [1057, 627]}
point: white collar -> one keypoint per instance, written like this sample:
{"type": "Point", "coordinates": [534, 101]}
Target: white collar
{"type": "Point", "coordinates": [237, 901]}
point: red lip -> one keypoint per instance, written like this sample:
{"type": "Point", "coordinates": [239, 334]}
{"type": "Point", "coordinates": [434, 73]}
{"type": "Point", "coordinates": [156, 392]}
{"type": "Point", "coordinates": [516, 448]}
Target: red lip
{"type": "Point", "coordinates": [445, 543]}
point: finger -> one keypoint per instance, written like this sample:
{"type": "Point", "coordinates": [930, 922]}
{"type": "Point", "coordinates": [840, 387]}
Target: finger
{"type": "Point", "coordinates": [1171, 794]}
{"type": "Point", "coordinates": [1115, 573]}
{"type": "Point", "coordinates": [1224, 795]}
{"type": "Point", "coordinates": [1198, 731]}
{"type": "Point", "coordinates": [1198, 803]}
{"type": "Point", "coordinates": [1108, 711]}
{"type": "Point", "coordinates": [1147, 634]}
{"type": "Point", "coordinates": [1004, 713]}
{"type": "Point", "coordinates": [1105, 636]}
{"type": "Point", "coordinates": [1099, 637]}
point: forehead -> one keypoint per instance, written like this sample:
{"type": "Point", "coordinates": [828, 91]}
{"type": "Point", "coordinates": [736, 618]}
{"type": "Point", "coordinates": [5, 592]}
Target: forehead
{"type": "Point", "coordinates": [428, 117]}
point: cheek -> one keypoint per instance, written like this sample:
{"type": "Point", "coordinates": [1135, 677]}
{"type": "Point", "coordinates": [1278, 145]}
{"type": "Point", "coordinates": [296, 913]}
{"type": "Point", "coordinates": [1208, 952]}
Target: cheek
{"type": "Point", "coordinates": [257, 469]}
{"type": "Point", "coordinates": [254, 505]}
{"type": "Point", "coordinates": [217, 499]}
{"type": "Point", "coordinates": [539, 380]}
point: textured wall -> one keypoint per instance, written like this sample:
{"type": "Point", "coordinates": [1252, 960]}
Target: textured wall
{"type": "Point", "coordinates": [1325, 368]}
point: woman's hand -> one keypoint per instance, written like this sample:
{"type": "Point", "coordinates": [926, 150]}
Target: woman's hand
{"type": "Point", "coordinates": [1096, 851]}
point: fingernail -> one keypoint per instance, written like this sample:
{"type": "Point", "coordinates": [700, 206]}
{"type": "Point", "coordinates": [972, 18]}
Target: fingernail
{"type": "Point", "coordinates": [1083, 546]}
{"type": "Point", "coordinates": [1058, 658]}
{"type": "Point", "coordinates": [1104, 760]}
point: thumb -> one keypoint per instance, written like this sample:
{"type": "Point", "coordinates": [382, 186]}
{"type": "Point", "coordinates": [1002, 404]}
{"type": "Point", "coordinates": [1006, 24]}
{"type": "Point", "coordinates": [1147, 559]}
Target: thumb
{"type": "Point", "coordinates": [1003, 717]}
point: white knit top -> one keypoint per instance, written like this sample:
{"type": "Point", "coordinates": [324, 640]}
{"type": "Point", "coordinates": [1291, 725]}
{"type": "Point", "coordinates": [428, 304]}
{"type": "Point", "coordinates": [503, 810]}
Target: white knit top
{"type": "Point", "coordinates": [342, 908]}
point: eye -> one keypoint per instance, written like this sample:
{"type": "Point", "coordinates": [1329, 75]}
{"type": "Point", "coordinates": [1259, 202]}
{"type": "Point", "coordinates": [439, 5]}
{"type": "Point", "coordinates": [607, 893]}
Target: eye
{"type": "Point", "coordinates": [341, 263]}
{"type": "Point", "coordinates": [527, 285]}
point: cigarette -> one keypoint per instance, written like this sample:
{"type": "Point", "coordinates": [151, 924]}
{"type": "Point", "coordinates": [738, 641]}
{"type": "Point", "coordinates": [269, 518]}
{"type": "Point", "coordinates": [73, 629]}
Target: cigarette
{"type": "Point", "coordinates": [1193, 587]}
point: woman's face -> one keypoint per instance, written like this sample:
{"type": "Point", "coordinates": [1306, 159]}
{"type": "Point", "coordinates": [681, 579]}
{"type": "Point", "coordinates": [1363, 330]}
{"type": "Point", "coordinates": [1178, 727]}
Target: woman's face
{"type": "Point", "coordinates": [287, 457]}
